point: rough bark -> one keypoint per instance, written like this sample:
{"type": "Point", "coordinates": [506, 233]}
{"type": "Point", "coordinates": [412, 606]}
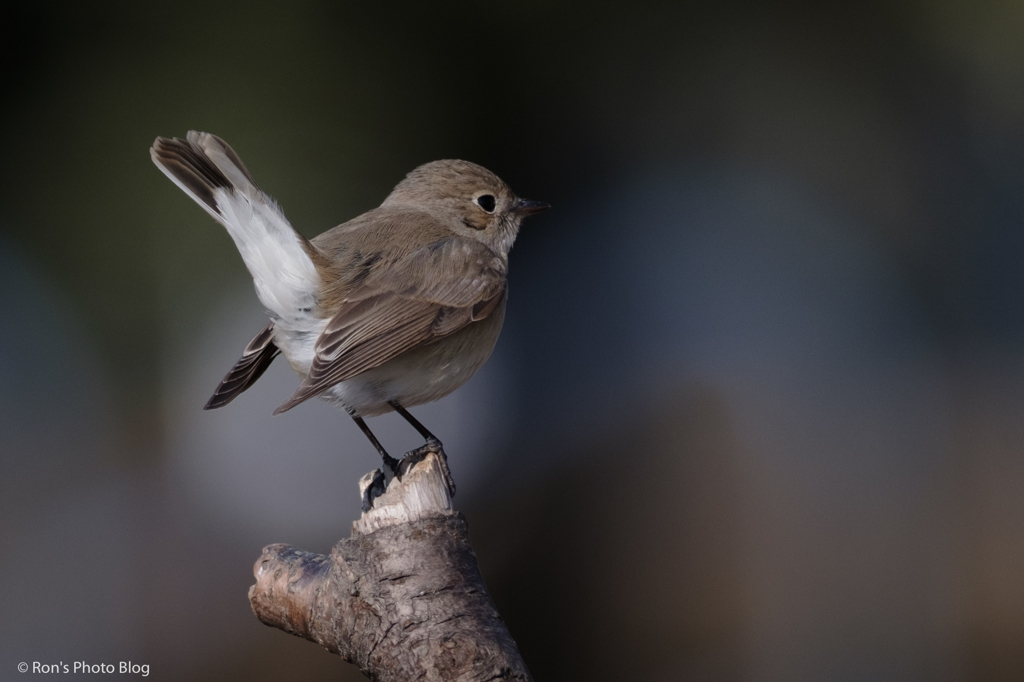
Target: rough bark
{"type": "Point", "coordinates": [402, 598]}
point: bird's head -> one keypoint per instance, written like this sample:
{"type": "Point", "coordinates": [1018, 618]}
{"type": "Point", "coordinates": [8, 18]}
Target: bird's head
{"type": "Point", "coordinates": [474, 200]}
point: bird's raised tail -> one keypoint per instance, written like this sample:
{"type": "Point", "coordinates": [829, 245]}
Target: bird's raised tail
{"type": "Point", "coordinates": [281, 261]}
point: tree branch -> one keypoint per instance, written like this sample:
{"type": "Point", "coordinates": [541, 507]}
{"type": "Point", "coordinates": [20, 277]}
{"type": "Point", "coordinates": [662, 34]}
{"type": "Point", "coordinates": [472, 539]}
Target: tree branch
{"type": "Point", "coordinates": [402, 598]}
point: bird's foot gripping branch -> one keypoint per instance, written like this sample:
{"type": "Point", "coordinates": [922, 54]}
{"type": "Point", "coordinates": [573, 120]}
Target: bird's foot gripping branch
{"type": "Point", "coordinates": [402, 598]}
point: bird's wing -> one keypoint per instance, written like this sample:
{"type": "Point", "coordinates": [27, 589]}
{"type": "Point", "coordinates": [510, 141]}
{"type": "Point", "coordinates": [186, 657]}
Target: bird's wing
{"type": "Point", "coordinates": [255, 359]}
{"type": "Point", "coordinates": [282, 262]}
{"type": "Point", "coordinates": [430, 293]}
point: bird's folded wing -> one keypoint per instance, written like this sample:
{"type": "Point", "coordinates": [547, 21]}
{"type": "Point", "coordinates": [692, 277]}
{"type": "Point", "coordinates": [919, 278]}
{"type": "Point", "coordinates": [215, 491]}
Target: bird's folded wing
{"type": "Point", "coordinates": [255, 359]}
{"type": "Point", "coordinates": [389, 315]}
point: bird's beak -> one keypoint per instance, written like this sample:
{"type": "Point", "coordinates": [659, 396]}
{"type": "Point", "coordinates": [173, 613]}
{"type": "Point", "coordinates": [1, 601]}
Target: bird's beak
{"type": "Point", "coordinates": [527, 207]}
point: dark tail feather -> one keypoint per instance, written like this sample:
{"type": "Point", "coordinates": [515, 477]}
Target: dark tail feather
{"type": "Point", "coordinates": [257, 356]}
{"type": "Point", "coordinates": [188, 163]}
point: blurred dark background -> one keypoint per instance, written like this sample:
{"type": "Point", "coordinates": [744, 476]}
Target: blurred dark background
{"type": "Point", "coordinates": [756, 413]}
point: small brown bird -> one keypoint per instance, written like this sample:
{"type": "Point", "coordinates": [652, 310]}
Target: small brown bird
{"type": "Point", "coordinates": [395, 308]}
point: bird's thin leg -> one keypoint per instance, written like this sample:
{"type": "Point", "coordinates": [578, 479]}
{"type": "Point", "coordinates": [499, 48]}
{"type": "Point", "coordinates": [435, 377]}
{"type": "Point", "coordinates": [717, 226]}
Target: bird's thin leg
{"type": "Point", "coordinates": [432, 445]}
{"type": "Point", "coordinates": [430, 438]}
{"type": "Point", "coordinates": [389, 461]}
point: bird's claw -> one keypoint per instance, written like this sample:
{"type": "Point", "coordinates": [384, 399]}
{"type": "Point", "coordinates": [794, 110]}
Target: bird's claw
{"type": "Point", "coordinates": [414, 457]}
{"type": "Point", "coordinates": [371, 486]}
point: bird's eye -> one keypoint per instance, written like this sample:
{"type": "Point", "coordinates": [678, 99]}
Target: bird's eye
{"type": "Point", "coordinates": [486, 202]}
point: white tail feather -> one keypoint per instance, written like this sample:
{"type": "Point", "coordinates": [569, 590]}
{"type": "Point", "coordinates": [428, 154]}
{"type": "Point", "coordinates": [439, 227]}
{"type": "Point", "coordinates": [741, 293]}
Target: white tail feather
{"type": "Point", "coordinates": [285, 277]}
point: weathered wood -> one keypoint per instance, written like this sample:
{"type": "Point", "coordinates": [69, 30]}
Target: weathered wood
{"type": "Point", "coordinates": [402, 598]}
